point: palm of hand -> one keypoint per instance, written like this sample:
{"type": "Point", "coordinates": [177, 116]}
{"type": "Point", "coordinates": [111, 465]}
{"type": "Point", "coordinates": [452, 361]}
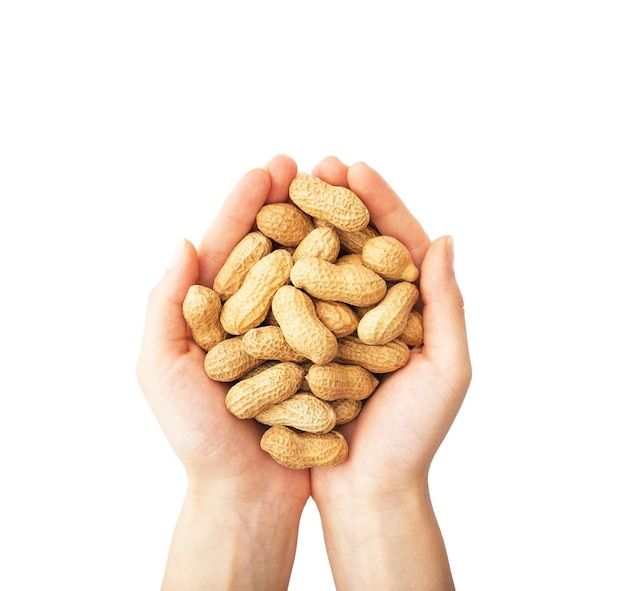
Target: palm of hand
{"type": "Point", "coordinates": [396, 434]}
{"type": "Point", "coordinates": [211, 443]}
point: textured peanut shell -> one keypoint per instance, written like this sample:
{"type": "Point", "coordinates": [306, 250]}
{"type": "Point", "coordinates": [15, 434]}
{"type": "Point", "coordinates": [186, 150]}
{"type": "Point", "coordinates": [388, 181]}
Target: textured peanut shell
{"type": "Point", "coordinates": [250, 249]}
{"type": "Point", "coordinates": [319, 242]}
{"type": "Point", "coordinates": [284, 222]}
{"type": "Point", "coordinates": [413, 334]}
{"type": "Point", "coordinates": [268, 342]}
{"type": "Point", "coordinates": [346, 410]}
{"type": "Point", "coordinates": [249, 306]}
{"type": "Point", "coordinates": [201, 310]}
{"type": "Point", "coordinates": [352, 242]}
{"type": "Point", "coordinates": [259, 368]}
{"type": "Point", "coordinates": [350, 259]}
{"type": "Point", "coordinates": [227, 361]}
{"type": "Point", "coordinates": [337, 205]}
{"type": "Point", "coordinates": [305, 333]}
{"type": "Point", "coordinates": [247, 398]}
{"type": "Point", "coordinates": [338, 317]}
{"type": "Point", "coordinates": [302, 411]}
{"type": "Point", "coordinates": [389, 258]}
{"type": "Point", "coordinates": [375, 358]}
{"type": "Point", "coordinates": [334, 381]}
{"type": "Point", "coordinates": [352, 284]}
{"type": "Point", "coordinates": [297, 450]}
{"type": "Point", "coordinates": [387, 320]}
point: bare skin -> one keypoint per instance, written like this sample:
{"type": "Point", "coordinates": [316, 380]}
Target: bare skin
{"type": "Point", "coordinates": [238, 525]}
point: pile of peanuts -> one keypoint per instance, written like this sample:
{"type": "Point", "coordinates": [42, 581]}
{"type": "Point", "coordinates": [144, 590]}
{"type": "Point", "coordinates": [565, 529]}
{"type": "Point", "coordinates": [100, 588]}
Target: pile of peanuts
{"type": "Point", "coordinates": [306, 315]}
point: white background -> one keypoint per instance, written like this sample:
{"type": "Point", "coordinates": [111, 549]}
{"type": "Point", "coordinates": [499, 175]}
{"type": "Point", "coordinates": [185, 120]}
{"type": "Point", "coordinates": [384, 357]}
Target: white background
{"type": "Point", "coordinates": [122, 127]}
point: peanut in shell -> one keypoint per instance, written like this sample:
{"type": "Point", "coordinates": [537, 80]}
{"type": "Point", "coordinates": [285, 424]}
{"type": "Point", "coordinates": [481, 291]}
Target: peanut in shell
{"type": "Point", "coordinates": [303, 411]}
{"type": "Point", "coordinates": [247, 398]}
{"type": "Point", "coordinates": [338, 205]}
{"type": "Point", "coordinates": [249, 306]}
{"type": "Point", "coordinates": [297, 450]}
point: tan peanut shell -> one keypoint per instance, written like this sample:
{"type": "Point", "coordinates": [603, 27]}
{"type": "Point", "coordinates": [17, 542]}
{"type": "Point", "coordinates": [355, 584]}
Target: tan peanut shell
{"type": "Point", "coordinates": [320, 242]}
{"type": "Point", "coordinates": [259, 368]}
{"type": "Point", "coordinates": [389, 258]}
{"type": "Point", "coordinates": [333, 381]}
{"type": "Point", "coordinates": [248, 307]}
{"type": "Point", "coordinates": [413, 334]}
{"type": "Point", "coordinates": [227, 361]}
{"type": "Point", "coordinates": [352, 284]}
{"type": "Point", "coordinates": [250, 249]}
{"type": "Point", "coordinates": [387, 320]}
{"type": "Point", "coordinates": [350, 259]}
{"type": "Point", "coordinates": [337, 205]}
{"type": "Point", "coordinates": [201, 310]}
{"type": "Point", "coordinates": [375, 358]}
{"type": "Point", "coordinates": [301, 327]}
{"type": "Point", "coordinates": [338, 317]}
{"type": "Point", "coordinates": [297, 450]}
{"type": "Point", "coordinates": [268, 342]}
{"type": "Point", "coordinates": [346, 410]}
{"type": "Point", "coordinates": [247, 398]}
{"type": "Point", "coordinates": [352, 242]}
{"type": "Point", "coordinates": [302, 411]}
{"type": "Point", "coordinates": [284, 223]}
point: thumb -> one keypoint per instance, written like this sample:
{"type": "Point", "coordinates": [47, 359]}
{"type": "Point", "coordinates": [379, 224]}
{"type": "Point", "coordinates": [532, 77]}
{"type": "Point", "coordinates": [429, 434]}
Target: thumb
{"type": "Point", "coordinates": [165, 329]}
{"type": "Point", "coordinates": [445, 335]}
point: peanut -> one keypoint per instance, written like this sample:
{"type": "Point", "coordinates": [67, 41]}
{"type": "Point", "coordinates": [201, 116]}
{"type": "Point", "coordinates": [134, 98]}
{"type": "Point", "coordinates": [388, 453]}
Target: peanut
{"type": "Point", "coordinates": [268, 342]}
{"type": "Point", "coordinates": [346, 410]}
{"type": "Point", "coordinates": [386, 321]}
{"type": "Point", "coordinates": [352, 284]}
{"type": "Point", "coordinates": [389, 258]}
{"type": "Point", "coordinates": [247, 398]}
{"type": "Point", "coordinates": [338, 317]}
{"type": "Point", "coordinates": [284, 223]}
{"type": "Point", "coordinates": [333, 381]}
{"type": "Point", "coordinates": [303, 330]}
{"type": "Point", "coordinates": [302, 411]}
{"type": "Point", "coordinates": [248, 307]}
{"type": "Point", "coordinates": [413, 334]}
{"type": "Point", "coordinates": [375, 358]}
{"type": "Point", "coordinates": [322, 243]}
{"type": "Point", "coordinates": [304, 450]}
{"type": "Point", "coordinates": [250, 249]}
{"type": "Point", "coordinates": [352, 242]}
{"type": "Point", "coordinates": [227, 361]}
{"type": "Point", "coordinates": [201, 309]}
{"type": "Point", "coordinates": [350, 259]}
{"type": "Point", "coordinates": [337, 205]}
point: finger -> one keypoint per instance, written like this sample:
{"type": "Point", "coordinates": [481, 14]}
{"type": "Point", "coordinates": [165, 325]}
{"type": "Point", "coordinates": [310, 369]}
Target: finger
{"type": "Point", "coordinates": [388, 213]}
{"type": "Point", "coordinates": [282, 170]}
{"type": "Point", "coordinates": [445, 334]}
{"type": "Point", "coordinates": [165, 329]}
{"type": "Point", "coordinates": [333, 171]}
{"type": "Point", "coordinates": [234, 220]}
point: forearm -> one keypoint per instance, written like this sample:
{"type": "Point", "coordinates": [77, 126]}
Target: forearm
{"type": "Point", "coordinates": [224, 545]}
{"type": "Point", "coordinates": [393, 543]}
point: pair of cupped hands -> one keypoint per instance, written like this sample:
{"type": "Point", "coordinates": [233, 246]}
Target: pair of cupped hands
{"type": "Point", "coordinates": [392, 442]}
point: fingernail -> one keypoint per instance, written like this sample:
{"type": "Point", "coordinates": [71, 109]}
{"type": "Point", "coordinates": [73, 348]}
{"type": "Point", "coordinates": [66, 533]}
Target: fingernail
{"type": "Point", "coordinates": [178, 250]}
{"type": "Point", "coordinates": [450, 245]}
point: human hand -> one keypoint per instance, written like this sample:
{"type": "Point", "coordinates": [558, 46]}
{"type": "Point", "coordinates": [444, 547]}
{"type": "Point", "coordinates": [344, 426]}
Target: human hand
{"type": "Point", "coordinates": [394, 439]}
{"type": "Point", "coordinates": [229, 477]}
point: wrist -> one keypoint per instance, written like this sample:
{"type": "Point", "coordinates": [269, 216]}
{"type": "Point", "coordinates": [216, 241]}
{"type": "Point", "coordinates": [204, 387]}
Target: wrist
{"type": "Point", "coordinates": [387, 540]}
{"type": "Point", "coordinates": [232, 542]}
